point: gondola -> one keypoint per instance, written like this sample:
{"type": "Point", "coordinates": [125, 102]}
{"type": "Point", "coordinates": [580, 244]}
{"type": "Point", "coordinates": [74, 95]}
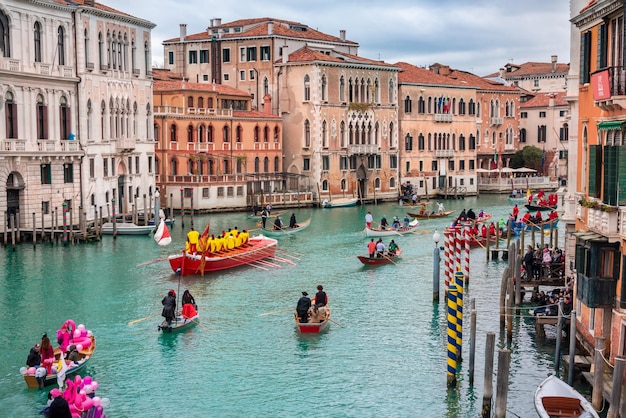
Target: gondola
{"type": "Point", "coordinates": [534, 208]}
{"type": "Point", "coordinates": [555, 398]}
{"type": "Point", "coordinates": [340, 203]}
{"type": "Point", "coordinates": [380, 261]}
{"type": "Point", "coordinates": [179, 324]}
{"type": "Point", "coordinates": [285, 230]}
{"type": "Point", "coordinates": [378, 232]}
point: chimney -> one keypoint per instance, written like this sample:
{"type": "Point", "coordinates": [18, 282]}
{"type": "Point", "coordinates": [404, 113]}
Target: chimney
{"type": "Point", "coordinates": [90, 3]}
{"type": "Point", "coordinates": [342, 35]}
{"type": "Point", "coordinates": [267, 104]}
{"type": "Point", "coordinates": [211, 23]}
{"type": "Point", "coordinates": [217, 21]}
{"type": "Point", "coordinates": [183, 31]}
{"type": "Point", "coordinates": [502, 73]}
{"type": "Point", "coordinates": [270, 28]}
{"type": "Point", "coordinates": [554, 58]}
{"type": "Point", "coordinates": [285, 49]}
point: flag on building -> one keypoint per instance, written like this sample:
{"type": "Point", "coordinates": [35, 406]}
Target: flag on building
{"type": "Point", "coordinates": [446, 106]}
{"type": "Point", "coordinates": [495, 159]}
{"type": "Point", "coordinates": [440, 102]}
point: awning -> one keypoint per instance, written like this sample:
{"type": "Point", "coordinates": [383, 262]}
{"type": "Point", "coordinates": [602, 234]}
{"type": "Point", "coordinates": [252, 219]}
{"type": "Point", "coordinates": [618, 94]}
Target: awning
{"type": "Point", "coordinates": [614, 125]}
{"type": "Point", "coordinates": [590, 236]}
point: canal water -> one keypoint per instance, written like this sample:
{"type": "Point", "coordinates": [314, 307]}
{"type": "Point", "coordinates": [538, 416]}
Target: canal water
{"type": "Point", "coordinates": [384, 356]}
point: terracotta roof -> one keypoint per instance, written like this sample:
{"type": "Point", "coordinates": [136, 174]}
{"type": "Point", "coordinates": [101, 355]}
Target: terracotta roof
{"type": "Point", "coordinates": [543, 100]}
{"type": "Point", "coordinates": [412, 74]}
{"type": "Point", "coordinates": [588, 6]}
{"type": "Point", "coordinates": [254, 114]}
{"type": "Point", "coordinates": [530, 69]}
{"type": "Point", "coordinates": [306, 54]}
{"type": "Point", "coordinates": [164, 80]}
{"type": "Point", "coordinates": [259, 28]}
{"type": "Point", "coordinates": [96, 5]}
{"type": "Point", "coordinates": [480, 82]}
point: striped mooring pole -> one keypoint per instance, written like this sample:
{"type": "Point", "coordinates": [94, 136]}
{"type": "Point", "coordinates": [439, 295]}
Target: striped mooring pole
{"type": "Point", "coordinates": [114, 220]}
{"type": "Point", "coordinates": [459, 281]}
{"type": "Point", "coordinates": [452, 336]}
{"type": "Point", "coordinates": [191, 206]}
{"type": "Point", "coordinates": [65, 233]}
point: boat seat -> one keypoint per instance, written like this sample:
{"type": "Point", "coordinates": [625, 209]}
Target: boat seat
{"type": "Point", "coordinates": [560, 406]}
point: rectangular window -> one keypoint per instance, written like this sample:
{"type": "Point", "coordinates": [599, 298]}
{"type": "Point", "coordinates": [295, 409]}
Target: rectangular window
{"type": "Point", "coordinates": [105, 167]}
{"type": "Point", "coordinates": [226, 77]}
{"type": "Point", "coordinates": [239, 191]}
{"type": "Point", "coordinates": [536, 83]}
{"type": "Point", "coordinates": [149, 164]}
{"type": "Point", "coordinates": [205, 192]}
{"type": "Point", "coordinates": [188, 192]}
{"type": "Point", "coordinates": [306, 164]}
{"type": "Point", "coordinates": [193, 57]}
{"type": "Point", "coordinates": [451, 165]}
{"type": "Point", "coordinates": [325, 163]}
{"type": "Point", "coordinates": [393, 161]}
{"type": "Point", "coordinates": [343, 163]}
{"type": "Point", "coordinates": [433, 165]}
{"type": "Point", "coordinates": [45, 208]}
{"type": "Point", "coordinates": [252, 75]}
{"type": "Point", "coordinates": [242, 54]}
{"type": "Point", "coordinates": [92, 168]}
{"type": "Point", "coordinates": [204, 56]}
{"type": "Point", "coordinates": [226, 55]}
{"type": "Point", "coordinates": [137, 165]}
{"type": "Point", "coordinates": [46, 174]}
{"type": "Point", "coordinates": [251, 53]}
{"type": "Point", "coordinates": [353, 162]}
{"type": "Point", "coordinates": [230, 191]}
{"type": "Point", "coordinates": [265, 53]}
{"type": "Point", "coordinates": [542, 114]}
{"type": "Point", "coordinates": [562, 113]}
{"type": "Point", "coordinates": [68, 173]}
{"type": "Point", "coordinates": [523, 115]}
{"type": "Point", "coordinates": [205, 77]}
{"type": "Point", "coordinates": [130, 165]}
{"type": "Point", "coordinates": [462, 165]}
{"type": "Point", "coordinates": [471, 164]}
{"type": "Point", "coordinates": [170, 57]}
{"type": "Point", "coordinates": [585, 57]}
{"type": "Point", "coordinates": [242, 75]}
{"type": "Point", "coordinates": [220, 192]}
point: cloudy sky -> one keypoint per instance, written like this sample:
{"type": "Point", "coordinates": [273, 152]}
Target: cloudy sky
{"type": "Point", "coordinates": [478, 36]}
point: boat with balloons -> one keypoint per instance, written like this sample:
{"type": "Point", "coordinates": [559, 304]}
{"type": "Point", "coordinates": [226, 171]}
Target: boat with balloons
{"type": "Point", "coordinates": [69, 334]}
{"type": "Point", "coordinates": [80, 395]}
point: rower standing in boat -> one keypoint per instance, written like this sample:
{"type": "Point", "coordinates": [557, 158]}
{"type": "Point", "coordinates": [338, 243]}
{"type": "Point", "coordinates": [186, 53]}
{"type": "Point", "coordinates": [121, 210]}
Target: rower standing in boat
{"type": "Point", "coordinates": [440, 208]}
{"type": "Point", "coordinates": [169, 306]}
{"type": "Point", "coordinates": [380, 248]}
{"type": "Point", "coordinates": [292, 221]}
{"type": "Point", "coordinates": [393, 248]}
{"type": "Point", "coordinates": [302, 308]}
{"type": "Point", "coordinates": [278, 224]}
{"type": "Point", "coordinates": [371, 248]}
{"type": "Point", "coordinates": [190, 309]}
{"type": "Point", "coordinates": [264, 217]}
{"type": "Point", "coordinates": [368, 220]}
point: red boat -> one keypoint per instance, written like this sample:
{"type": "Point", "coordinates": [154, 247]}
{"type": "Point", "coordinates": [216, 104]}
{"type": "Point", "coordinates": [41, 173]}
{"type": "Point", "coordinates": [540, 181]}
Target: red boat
{"type": "Point", "coordinates": [257, 249]}
{"type": "Point", "coordinates": [313, 327]}
{"type": "Point", "coordinates": [379, 261]}
{"type": "Point", "coordinates": [482, 242]}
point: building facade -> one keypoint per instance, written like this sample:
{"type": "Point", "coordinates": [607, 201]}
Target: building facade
{"type": "Point", "coordinates": [213, 151]}
{"type": "Point", "coordinates": [596, 231]}
{"type": "Point", "coordinates": [76, 89]}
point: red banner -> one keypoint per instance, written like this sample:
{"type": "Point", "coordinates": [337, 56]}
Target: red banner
{"type": "Point", "coordinates": [601, 86]}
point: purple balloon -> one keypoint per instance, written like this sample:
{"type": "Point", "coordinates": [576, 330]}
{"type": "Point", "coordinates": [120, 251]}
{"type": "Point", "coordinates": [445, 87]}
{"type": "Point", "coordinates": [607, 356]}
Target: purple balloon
{"type": "Point", "coordinates": [99, 412]}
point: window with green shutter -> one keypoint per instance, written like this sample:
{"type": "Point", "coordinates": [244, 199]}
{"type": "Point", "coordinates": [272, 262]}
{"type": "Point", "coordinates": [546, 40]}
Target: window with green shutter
{"type": "Point", "coordinates": [592, 170]}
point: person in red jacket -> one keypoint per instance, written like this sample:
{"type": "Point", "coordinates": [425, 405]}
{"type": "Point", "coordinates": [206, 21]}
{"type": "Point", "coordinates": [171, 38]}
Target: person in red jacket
{"type": "Point", "coordinates": [515, 212]}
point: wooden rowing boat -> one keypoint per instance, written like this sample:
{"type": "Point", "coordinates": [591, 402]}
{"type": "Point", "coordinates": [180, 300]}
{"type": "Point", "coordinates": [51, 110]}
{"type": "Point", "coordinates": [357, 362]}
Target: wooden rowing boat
{"type": "Point", "coordinates": [273, 214]}
{"type": "Point", "coordinates": [534, 208]}
{"type": "Point", "coordinates": [430, 215]}
{"type": "Point", "coordinates": [180, 324]}
{"type": "Point", "coordinates": [378, 232]}
{"type": "Point", "coordinates": [313, 327]}
{"type": "Point", "coordinates": [72, 366]}
{"type": "Point", "coordinates": [126, 228]}
{"type": "Point", "coordinates": [380, 261]}
{"type": "Point", "coordinates": [555, 398]}
{"type": "Point", "coordinates": [285, 230]}
{"type": "Point", "coordinates": [340, 203]}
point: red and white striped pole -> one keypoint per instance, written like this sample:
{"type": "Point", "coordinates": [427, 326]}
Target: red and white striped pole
{"type": "Point", "coordinates": [468, 232]}
{"type": "Point", "coordinates": [458, 234]}
{"type": "Point", "coordinates": [446, 258]}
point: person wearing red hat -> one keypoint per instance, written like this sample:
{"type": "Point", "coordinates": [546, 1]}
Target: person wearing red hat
{"type": "Point", "coordinates": [169, 306]}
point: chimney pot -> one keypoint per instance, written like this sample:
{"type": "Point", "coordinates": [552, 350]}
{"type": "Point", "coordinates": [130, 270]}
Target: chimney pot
{"type": "Point", "coordinates": [183, 31]}
{"type": "Point", "coordinates": [554, 59]}
{"type": "Point", "coordinates": [342, 34]}
{"type": "Point", "coordinates": [270, 28]}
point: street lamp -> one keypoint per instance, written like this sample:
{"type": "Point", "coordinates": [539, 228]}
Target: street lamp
{"type": "Point", "coordinates": [156, 205]}
{"type": "Point", "coordinates": [436, 262]}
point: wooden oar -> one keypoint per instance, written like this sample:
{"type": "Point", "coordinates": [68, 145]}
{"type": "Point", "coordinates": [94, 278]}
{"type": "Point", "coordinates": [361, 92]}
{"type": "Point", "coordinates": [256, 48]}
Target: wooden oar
{"type": "Point", "coordinates": [335, 322]}
{"type": "Point", "coordinates": [388, 258]}
{"type": "Point", "coordinates": [277, 312]}
{"type": "Point", "coordinates": [142, 319]}
{"type": "Point", "coordinates": [479, 243]}
{"type": "Point", "coordinates": [200, 325]}
{"type": "Point", "coordinates": [152, 262]}
{"type": "Point", "coordinates": [289, 251]}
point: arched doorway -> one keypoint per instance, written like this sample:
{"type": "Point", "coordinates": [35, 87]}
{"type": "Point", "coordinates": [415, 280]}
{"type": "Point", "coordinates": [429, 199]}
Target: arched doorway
{"type": "Point", "coordinates": [14, 185]}
{"type": "Point", "coordinates": [361, 175]}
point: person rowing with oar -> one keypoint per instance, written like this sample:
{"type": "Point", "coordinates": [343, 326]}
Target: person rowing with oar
{"type": "Point", "coordinates": [278, 224]}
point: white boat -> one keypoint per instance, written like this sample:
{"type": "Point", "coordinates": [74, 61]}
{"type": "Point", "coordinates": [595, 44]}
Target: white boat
{"type": "Point", "coordinates": [126, 228]}
{"type": "Point", "coordinates": [555, 398]}
{"type": "Point", "coordinates": [377, 232]}
{"type": "Point", "coordinates": [285, 230]}
{"type": "Point", "coordinates": [340, 203]}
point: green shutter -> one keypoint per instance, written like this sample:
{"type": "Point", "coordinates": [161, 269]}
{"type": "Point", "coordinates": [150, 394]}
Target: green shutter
{"type": "Point", "coordinates": [609, 195]}
{"type": "Point", "coordinates": [621, 175]}
{"type": "Point", "coordinates": [592, 170]}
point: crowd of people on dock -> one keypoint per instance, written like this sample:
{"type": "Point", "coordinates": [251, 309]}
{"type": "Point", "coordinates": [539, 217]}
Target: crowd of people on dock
{"type": "Point", "coordinates": [312, 310]}
{"type": "Point", "coordinates": [210, 244]}
{"type": "Point", "coordinates": [543, 262]}
{"type": "Point", "coordinates": [548, 303]}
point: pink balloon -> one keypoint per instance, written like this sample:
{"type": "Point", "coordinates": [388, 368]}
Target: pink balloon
{"type": "Point", "coordinates": [31, 370]}
{"type": "Point", "coordinates": [94, 385]}
{"type": "Point", "coordinates": [83, 333]}
{"type": "Point", "coordinates": [55, 392]}
{"type": "Point", "coordinates": [97, 401]}
{"type": "Point", "coordinates": [79, 347]}
{"type": "Point", "coordinates": [77, 334]}
{"type": "Point", "coordinates": [99, 412]}
{"type": "Point", "coordinates": [78, 380]}
{"type": "Point", "coordinates": [87, 380]}
{"type": "Point", "coordinates": [80, 327]}
{"type": "Point", "coordinates": [87, 403]}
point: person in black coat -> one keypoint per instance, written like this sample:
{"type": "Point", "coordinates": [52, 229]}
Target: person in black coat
{"type": "Point", "coordinates": [292, 221]}
{"type": "Point", "coordinates": [528, 262]}
{"type": "Point", "coordinates": [471, 215]}
{"type": "Point", "coordinates": [59, 408]}
{"type": "Point", "coordinates": [302, 308]}
{"type": "Point", "coordinates": [34, 356]}
{"type": "Point", "coordinates": [169, 306]}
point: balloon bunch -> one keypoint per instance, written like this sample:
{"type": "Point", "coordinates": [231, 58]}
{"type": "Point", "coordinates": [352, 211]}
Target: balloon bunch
{"type": "Point", "coordinates": [80, 396]}
{"type": "Point", "coordinates": [69, 333]}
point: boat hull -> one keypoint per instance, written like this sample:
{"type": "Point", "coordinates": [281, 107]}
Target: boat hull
{"type": "Point", "coordinates": [126, 229]}
{"type": "Point", "coordinates": [379, 261]}
{"type": "Point", "coordinates": [341, 203]}
{"type": "Point", "coordinates": [430, 216]}
{"type": "Point", "coordinates": [413, 226]}
{"type": "Point", "coordinates": [51, 378]}
{"type": "Point", "coordinates": [271, 215]}
{"type": "Point", "coordinates": [286, 230]}
{"type": "Point", "coordinates": [554, 394]}
{"type": "Point", "coordinates": [534, 208]}
{"type": "Point", "coordinates": [181, 324]}
{"type": "Point", "coordinates": [257, 249]}
{"type": "Point", "coordinates": [313, 328]}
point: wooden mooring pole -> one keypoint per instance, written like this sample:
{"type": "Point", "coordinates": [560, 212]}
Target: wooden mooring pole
{"type": "Point", "coordinates": [472, 340]}
{"type": "Point", "coordinates": [616, 393]}
{"type": "Point", "coordinates": [598, 373]}
{"type": "Point", "coordinates": [488, 390]}
{"type": "Point", "coordinates": [502, 386]}
{"type": "Point", "coordinates": [572, 348]}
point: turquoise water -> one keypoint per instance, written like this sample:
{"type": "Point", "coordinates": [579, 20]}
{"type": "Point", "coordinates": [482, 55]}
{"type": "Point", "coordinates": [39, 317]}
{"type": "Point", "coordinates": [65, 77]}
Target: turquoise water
{"type": "Point", "coordinates": [386, 356]}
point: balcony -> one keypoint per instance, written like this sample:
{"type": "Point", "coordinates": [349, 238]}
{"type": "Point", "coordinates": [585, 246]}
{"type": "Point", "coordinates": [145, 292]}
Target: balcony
{"type": "Point", "coordinates": [43, 69]}
{"type": "Point", "coordinates": [70, 146]}
{"type": "Point", "coordinates": [363, 149]}
{"type": "Point", "coordinates": [10, 64]}
{"type": "Point", "coordinates": [595, 292]}
{"type": "Point", "coordinates": [125, 145]}
{"type": "Point", "coordinates": [46, 145]}
{"type": "Point", "coordinates": [495, 121]}
{"type": "Point", "coordinates": [604, 223]}
{"type": "Point", "coordinates": [444, 153]}
{"type": "Point", "coordinates": [15, 145]}
{"type": "Point", "coordinates": [444, 117]}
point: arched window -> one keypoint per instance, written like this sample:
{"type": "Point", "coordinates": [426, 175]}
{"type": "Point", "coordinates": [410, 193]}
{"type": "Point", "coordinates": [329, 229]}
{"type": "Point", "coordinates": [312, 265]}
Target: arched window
{"type": "Point", "coordinates": [266, 86]}
{"type": "Point", "coordinates": [307, 133]}
{"type": "Point", "coordinates": [324, 87]}
{"type": "Point", "coordinates": [42, 118]}
{"type": "Point", "coordinates": [392, 183]}
{"type": "Point", "coordinates": [5, 36]}
{"type": "Point", "coordinates": [256, 164]}
{"type": "Point", "coordinates": [391, 135]}
{"type": "Point", "coordinates": [190, 133]}
{"type": "Point", "coordinates": [256, 134]}
{"type": "Point", "coordinates": [276, 134]}
{"type": "Point", "coordinates": [173, 132]}
{"type": "Point", "coordinates": [100, 51]}
{"type": "Point", "coordinates": [266, 165]}
{"type": "Point", "coordinates": [201, 133]}
{"type": "Point", "coordinates": [276, 164]}
{"type": "Point", "coordinates": [307, 88]}
{"type": "Point", "coordinates": [343, 185]}
{"type": "Point", "coordinates": [225, 134]}
{"type": "Point", "coordinates": [377, 183]}
{"type": "Point", "coordinates": [324, 135]}
{"type": "Point", "coordinates": [209, 134]}
{"type": "Point", "coordinates": [390, 90]}
{"type": "Point", "coordinates": [201, 102]}
{"type": "Point", "coordinates": [65, 119]}
{"type": "Point", "coordinates": [342, 89]}
{"type": "Point", "coordinates": [190, 101]}
{"type": "Point", "coordinates": [325, 185]}
{"type": "Point", "coordinates": [37, 39]}
{"type": "Point", "coordinates": [239, 133]}
{"type": "Point", "coordinates": [408, 104]}
{"type": "Point", "coordinates": [174, 167]}
{"type": "Point", "coordinates": [342, 134]}
{"type": "Point", "coordinates": [61, 45]}
{"type": "Point", "coordinates": [10, 109]}
{"type": "Point", "coordinates": [266, 134]}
